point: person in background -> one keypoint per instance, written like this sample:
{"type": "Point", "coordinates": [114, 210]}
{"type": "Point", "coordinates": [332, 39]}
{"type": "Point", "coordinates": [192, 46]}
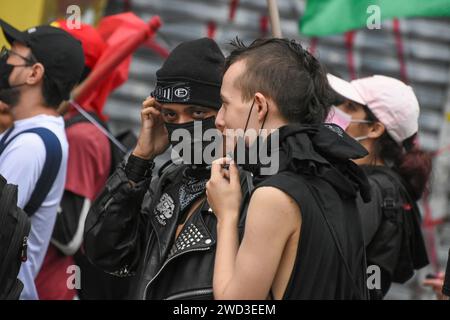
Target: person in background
{"type": "Point", "coordinates": [89, 165]}
{"type": "Point", "coordinates": [382, 113]}
{"type": "Point", "coordinates": [441, 283]}
{"type": "Point", "coordinates": [39, 71]}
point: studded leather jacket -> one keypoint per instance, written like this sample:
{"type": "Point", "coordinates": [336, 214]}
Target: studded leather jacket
{"type": "Point", "coordinates": [130, 231]}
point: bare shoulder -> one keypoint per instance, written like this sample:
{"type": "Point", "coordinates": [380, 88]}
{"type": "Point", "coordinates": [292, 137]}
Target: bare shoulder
{"type": "Point", "coordinates": [274, 197]}
{"type": "Point", "coordinates": [275, 206]}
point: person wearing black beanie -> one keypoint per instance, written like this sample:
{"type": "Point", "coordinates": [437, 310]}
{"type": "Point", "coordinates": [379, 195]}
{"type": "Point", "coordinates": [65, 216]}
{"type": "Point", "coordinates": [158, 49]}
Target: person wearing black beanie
{"type": "Point", "coordinates": [192, 74]}
{"type": "Point", "coordinates": [161, 230]}
{"type": "Point", "coordinates": [187, 89]}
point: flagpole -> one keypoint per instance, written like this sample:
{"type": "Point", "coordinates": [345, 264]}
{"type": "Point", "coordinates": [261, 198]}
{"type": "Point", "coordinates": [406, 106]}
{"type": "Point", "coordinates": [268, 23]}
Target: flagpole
{"type": "Point", "coordinates": [274, 18]}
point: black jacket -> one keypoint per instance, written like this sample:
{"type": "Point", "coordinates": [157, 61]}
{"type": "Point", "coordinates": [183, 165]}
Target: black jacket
{"type": "Point", "coordinates": [131, 231]}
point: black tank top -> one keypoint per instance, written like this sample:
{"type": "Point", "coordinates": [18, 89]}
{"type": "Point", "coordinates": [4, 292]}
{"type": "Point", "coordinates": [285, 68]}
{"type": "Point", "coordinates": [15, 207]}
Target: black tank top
{"type": "Point", "coordinates": [330, 261]}
{"type": "Point", "coordinates": [315, 170]}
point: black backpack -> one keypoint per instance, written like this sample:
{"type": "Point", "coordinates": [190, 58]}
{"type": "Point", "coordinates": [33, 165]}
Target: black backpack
{"type": "Point", "coordinates": [398, 246]}
{"type": "Point", "coordinates": [66, 227]}
{"type": "Point", "coordinates": [15, 224]}
{"type": "Point", "coordinates": [14, 229]}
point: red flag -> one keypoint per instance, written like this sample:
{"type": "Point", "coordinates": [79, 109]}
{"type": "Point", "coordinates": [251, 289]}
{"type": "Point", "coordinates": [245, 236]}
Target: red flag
{"type": "Point", "coordinates": [100, 43]}
{"type": "Point", "coordinates": [114, 30]}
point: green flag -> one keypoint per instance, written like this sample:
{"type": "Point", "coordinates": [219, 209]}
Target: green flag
{"type": "Point", "coordinates": [325, 17]}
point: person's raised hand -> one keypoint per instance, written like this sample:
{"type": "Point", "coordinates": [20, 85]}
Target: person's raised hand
{"type": "Point", "coordinates": [153, 138]}
{"type": "Point", "coordinates": [223, 190]}
{"type": "Point", "coordinates": [436, 284]}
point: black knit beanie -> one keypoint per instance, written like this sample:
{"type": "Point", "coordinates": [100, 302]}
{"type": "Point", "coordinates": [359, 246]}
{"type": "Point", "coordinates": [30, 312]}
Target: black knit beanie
{"type": "Point", "coordinates": [192, 74]}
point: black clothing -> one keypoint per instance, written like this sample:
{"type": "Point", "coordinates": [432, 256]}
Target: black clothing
{"type": "Point", "coordinates": [95, 284]}
{"type": "Point", "coordinates": [131, 230]}
{"type": "Point", "coordinates": [192, 74]}
{"type": "Point", "coordinates": [316, 172]}
{"type": "Point", "coordinates": [391, 227]}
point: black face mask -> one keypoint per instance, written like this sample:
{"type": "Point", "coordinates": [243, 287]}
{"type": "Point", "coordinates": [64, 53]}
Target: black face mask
{"type": "Point", "coordinates": [193, 143]}
{"type": "Point", "coordinates": [249, 161]}
{"type": "Point", "coordinates": [8, 94]}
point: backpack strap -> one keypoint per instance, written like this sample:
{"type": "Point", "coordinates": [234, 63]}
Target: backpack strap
{"type": "Point", "coordinates": [389, 201]}
{"type": "Point", "coordinates": [80, 118]}
{"type": "Point", "coordinates": [387, 183]}
{"type": "Point", "coordinates": [53, 158]}
{"type": "Point", "coordinates": [5, 137]}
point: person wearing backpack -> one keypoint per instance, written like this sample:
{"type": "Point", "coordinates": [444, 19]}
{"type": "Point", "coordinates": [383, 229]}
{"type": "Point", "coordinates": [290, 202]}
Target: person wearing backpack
{"type": "Point", "coordinates": [91, 160]}
{"type": "Point", "coordinates": [37, 74]}
{"type": "Point", "coordinates": [382, 114]}
{"type": "Point", "coordinates": [440, 283]}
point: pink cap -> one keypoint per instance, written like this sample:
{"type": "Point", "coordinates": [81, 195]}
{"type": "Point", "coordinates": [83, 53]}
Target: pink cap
{"type": "Point", "coordinates": [345, 89]}
{"type": "Point", "coordinates": [391, 101]}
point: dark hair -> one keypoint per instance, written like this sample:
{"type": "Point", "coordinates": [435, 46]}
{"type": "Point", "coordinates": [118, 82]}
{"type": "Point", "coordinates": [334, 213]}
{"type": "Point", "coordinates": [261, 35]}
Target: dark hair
{"type": "Point", "coordinates": [408, 160]}
{"type": "Point", "coordinates": [337, 99]}
{"type": "Point", "coordinates": [50, 92]}
{"type": "Point", "coordinates": [288, 74]}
